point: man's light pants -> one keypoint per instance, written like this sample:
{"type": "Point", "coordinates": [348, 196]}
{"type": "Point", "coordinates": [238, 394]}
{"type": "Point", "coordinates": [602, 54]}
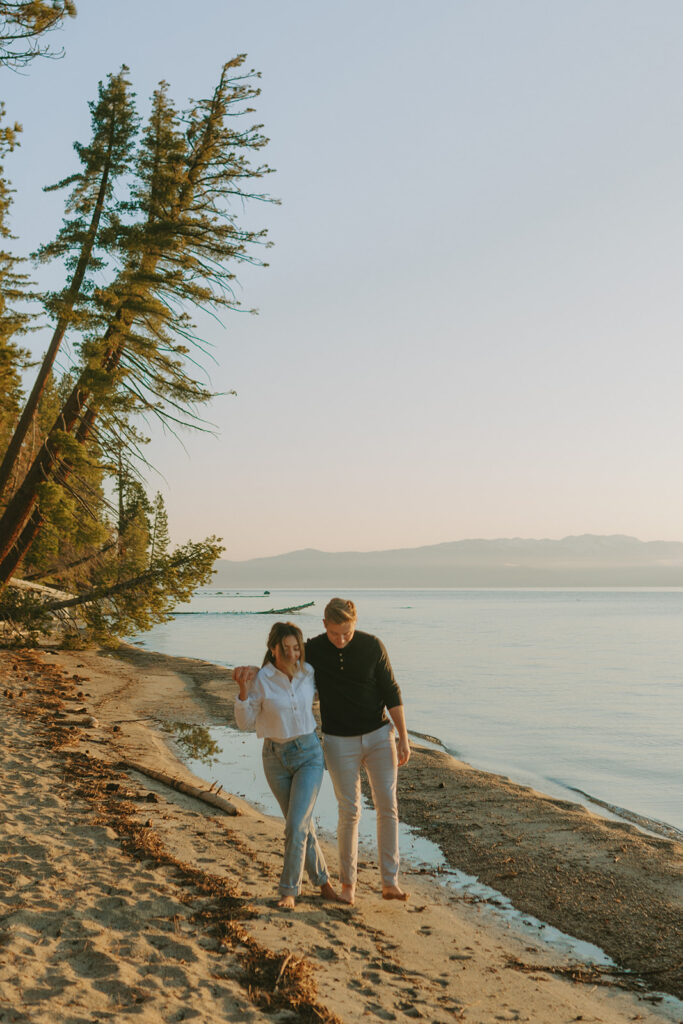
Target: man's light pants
{"type": "Point", "coordinates": [344, 756]}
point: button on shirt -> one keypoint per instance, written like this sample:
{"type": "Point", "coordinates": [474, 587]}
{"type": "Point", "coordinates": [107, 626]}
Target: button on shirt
{"type": "Point", "coordinates": [277, 708]}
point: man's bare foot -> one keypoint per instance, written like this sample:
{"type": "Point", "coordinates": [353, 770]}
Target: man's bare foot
{"type": "Point", "coordinates": [329, 893]}
{"type": "Point", "coordinates": [348, 894]}
{"type": "Point", "coordinates": [392, 892]}
{"type": "Point", "coordinates": [286, 902]}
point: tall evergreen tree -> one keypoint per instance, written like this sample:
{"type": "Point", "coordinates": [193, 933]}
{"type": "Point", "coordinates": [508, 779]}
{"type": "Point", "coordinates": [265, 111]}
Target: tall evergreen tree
{"type": "Point", "coordinates": [159, 539]}
{"type": "Point", "coordinates": [93, 227]}
{"type": "Point", "coordinates": [13, 292]}
{"type": "Point", "coordinates": [181, 251]}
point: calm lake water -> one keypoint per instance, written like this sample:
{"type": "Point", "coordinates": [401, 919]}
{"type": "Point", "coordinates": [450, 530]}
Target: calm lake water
{"type": "Point", "coordinates": [562, 690]}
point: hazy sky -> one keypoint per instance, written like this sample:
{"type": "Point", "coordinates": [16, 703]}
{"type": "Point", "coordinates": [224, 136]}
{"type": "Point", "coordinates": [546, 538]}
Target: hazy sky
{"type": "Point", "coordinates": [472, 321]}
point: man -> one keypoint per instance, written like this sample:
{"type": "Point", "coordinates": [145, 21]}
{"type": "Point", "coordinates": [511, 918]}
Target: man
{"type": "Point", "coordinates": [356, 686]}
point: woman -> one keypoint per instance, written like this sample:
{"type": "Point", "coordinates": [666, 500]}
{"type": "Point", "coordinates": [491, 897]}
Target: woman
{"type": "Point", "coordinates": [279, 705]}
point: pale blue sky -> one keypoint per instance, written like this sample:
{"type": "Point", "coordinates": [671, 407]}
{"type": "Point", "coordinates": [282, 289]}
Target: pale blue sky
{"type": "Point", "coordinates": [472, 322]}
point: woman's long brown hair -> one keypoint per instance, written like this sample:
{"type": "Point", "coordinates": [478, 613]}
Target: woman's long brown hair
{"type": "Point", "coordinates": [277, 634]}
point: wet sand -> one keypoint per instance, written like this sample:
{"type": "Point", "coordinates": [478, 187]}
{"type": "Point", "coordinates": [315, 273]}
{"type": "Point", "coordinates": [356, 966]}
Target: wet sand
{"type": "Point", "coordinates": [120, 895]}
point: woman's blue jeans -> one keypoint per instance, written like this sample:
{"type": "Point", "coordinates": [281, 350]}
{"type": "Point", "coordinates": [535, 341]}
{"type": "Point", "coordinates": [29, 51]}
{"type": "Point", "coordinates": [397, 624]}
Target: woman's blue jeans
{"type": "Point", "coordinates": [294, 770]}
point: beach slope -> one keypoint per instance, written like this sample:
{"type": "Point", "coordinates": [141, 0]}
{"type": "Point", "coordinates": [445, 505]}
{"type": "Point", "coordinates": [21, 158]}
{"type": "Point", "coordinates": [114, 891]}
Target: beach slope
{"type": "Point", "coordinates": [122, 896]}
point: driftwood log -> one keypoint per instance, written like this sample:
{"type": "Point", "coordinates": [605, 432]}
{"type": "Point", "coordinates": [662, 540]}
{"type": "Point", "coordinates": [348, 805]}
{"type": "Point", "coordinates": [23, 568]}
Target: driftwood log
{"type": "Point", "coordinates": [208, 796]}
{"type": "Point", "coordinates": [278, 611]}
{"type": "Point", "coordinates": [266, 611]}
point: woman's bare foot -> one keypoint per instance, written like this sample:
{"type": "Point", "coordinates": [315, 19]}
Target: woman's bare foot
{"type": "Point", "coordinates": [348, 894]}
{"type": "Point", "coordinates": [392, 892]}
{"type": "Point", "coordinates": [286, 902]}
{"type": "Point", "coordinates": [329, 893]}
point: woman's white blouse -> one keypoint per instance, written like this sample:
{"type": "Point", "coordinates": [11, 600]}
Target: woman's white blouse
{"type": "Point", "coordinates": [277, 709]}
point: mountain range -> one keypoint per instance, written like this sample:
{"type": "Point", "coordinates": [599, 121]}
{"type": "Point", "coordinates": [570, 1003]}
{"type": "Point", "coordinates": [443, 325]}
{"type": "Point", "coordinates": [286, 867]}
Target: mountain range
{"type": "Point", "coordinates": [588, 560]}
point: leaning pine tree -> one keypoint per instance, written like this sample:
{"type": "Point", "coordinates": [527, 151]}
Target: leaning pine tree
{"type": "Point", "coordinates": [14, 291]}
{"type": "Point", "coordinates": [92, 227]}
{"type": "Point", "coordinates": [178, 248]}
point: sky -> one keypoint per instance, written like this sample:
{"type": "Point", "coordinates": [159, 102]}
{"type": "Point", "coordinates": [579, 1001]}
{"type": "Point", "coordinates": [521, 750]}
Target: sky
{"type": "Point", "coordinates": [471, 324]}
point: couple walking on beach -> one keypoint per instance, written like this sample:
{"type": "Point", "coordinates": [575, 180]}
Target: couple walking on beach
{"type": "Point", "coordinates": [351, 673]}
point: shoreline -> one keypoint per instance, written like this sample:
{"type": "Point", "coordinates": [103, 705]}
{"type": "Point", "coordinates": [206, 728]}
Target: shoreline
{"type": "Point", "coordinates": [503, 682]}
{"type": "Point", "coordinates": [591, 803]}
{"type": "Point", "coordinates": [613, 885]}
{"type": "Point", "coordinates": [439, 947]}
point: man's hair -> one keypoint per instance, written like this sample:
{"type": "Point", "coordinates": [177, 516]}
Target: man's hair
{"type": "Point", "coordinates": [279, 631]}
{"type": "Point", "coordinates": [340, 610]}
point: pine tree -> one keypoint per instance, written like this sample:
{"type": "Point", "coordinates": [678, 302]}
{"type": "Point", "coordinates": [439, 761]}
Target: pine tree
{"type": "Point", "coordinates": [139, 602]}
{"type": "Point", "coordinates": [23, 22]}
{"type": "Point", "coordinates": [180, 251]}
{"type": "Point", "coordinates": [75, 509]}
{"type": "Point", "coordinates": [93, 227]}
{"type": "Point", "coordinates": [159, 540]}
{"type": "Point", "coordinates": [13, 293]}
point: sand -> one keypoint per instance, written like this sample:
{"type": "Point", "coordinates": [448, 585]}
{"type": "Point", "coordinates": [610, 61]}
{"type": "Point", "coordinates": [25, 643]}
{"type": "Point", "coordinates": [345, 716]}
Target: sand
{"type": "Point", "coordinates": [120, 896]}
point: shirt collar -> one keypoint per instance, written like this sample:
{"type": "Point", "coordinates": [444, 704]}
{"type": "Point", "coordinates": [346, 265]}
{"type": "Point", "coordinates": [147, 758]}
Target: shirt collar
{"type": "Point", "coordinates": [340, 650]}
{"type": "Point", "coordinates": [271, 671]}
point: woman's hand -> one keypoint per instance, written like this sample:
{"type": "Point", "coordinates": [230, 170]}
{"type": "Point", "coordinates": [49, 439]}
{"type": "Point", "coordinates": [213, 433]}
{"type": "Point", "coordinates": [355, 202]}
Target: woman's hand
{"type": "Point", "coordinates": [244, 676]}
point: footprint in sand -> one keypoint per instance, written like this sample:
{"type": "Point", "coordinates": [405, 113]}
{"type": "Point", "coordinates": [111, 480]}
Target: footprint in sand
{"type": "Point", "coordinates": [372, 976]}
{"type": "Point", "coordinates": [325, 953]}
{"type": "Point", "coordinates": [380, 1011]}
{"type": "Point", "coordinates": [409, 1010]}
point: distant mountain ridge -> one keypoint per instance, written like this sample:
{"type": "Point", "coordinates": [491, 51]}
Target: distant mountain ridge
{"type": "Point", "coordinates": [589, 560]}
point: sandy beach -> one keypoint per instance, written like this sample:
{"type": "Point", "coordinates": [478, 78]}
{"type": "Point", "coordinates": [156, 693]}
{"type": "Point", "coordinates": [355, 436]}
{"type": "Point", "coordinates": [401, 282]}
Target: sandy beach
{"type": "Point", "coordinates": [120, 895]}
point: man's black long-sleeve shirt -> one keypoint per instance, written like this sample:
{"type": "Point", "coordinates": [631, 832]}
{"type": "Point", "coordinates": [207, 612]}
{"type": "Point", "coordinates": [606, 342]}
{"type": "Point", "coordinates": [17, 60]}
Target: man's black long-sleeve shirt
{"type": "Point", "coordinates": [355, 684]}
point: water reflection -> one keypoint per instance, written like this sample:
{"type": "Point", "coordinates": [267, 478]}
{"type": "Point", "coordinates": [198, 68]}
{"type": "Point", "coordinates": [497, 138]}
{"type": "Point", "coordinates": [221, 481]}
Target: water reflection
{"type": "Point", "coordinates": [195, 742]}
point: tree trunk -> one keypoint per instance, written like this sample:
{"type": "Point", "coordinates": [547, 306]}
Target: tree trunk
{"type": "Point", "coordinates": [27, 416]}
{"type": "Point", "coordinates": [56, 570]}
{"type": "Point", "coordinates": [21, 506]}
{"type": "Point", "coordinates": [9, 563]}
{"type": "Point", "coordinates": [207, 795]}
{"type": "Point", "coordinates": [99, 593]}
{"type": "Point", "coordinates": [13, 543]}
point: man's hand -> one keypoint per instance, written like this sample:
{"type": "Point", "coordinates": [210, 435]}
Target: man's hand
{"type": "Point", "coordinates": [403, 750]}
{"type": "Point", "coordinates": [402, 742]}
